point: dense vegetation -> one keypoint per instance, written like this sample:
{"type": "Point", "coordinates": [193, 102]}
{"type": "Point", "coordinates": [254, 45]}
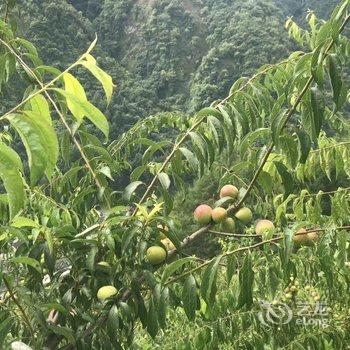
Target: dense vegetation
{"type": "Point", "coordinates": [114, 240]}
{"type": "Point", "coordinates": [166, 55]}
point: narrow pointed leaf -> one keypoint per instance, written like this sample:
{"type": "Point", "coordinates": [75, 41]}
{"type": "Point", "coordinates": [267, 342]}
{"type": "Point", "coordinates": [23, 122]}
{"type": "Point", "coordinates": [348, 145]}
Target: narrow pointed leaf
{"type": "Point", "coordinates": [102, 76]}
{"type": "Point", "coordinates": [189, 297]}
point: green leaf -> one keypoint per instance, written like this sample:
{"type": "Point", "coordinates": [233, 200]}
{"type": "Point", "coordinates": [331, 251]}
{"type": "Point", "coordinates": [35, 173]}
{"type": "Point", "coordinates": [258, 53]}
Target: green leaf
{"type": "Point", "coordinates": [20, 221]}
{"type": "Point", "coordinates": [34, 143]}
{"type": "Point", "coordinates": [162, 307]}
{"type": "Point", "coordinates": [316, 66]}
{"type": "Point", "coordinates": [152, 320]}
{"type": "Point", "coordinates": [10, 166]}
{"type": "Point", "coordinates": [138, 172]}
{"type": "Point", "coordinates": [290, 148]}
{"type": "Point", "coordinates": [49, 136]}
{"type": "Point", "coordinates": [164, 180]}
{"type": "Point", "coordinates": [130, 189]}
{"type": "Point", "coordinates": [99, 74]}
{"type": "Point", "coordinates": [224, 201]}
{"type": "Point", "coordinates": [27, 261]}
{"type": "Point", "coordinates": [200, 144]}
{"type": "Point", "coordinates": [106, 170]}
{"type": "Point", "coordinates": [190, 157]}
{"type": "Point", "coordinates": [41, 108]}
{"type": "Point", "coordinates": [304, 146]}
{"type": "Point", "coordinates": [85, 108]}
{"type": "Point", "coordinates": [277, 126]}
{"type": "Point", "coordinates": [65, 332]}
{"type": "Point", "coordinates": [54, 306]}
{"type": "Point", "coordinates": [207, 112]}
{"type": "Point", "coordinates": [91, 258]}
{"type": "Point", "coordinates": [336, 81]}
{"type": "Point", "coordinates": [152, 149]}
{"type": "Point", "coordinates": [208, 287]}
{"type": "Point", "coordinates": [113, 323]}
{"type": "Point", "coordinates": [161, 299]}
{"type": "Point", "coordinates": [288, 245]}
{"type": "Point", "coordinates": [287, 178]}
{"type": "Point", "coordinates": [171, 268]}
{"type": "Point", "coordinates": [250, 138]}
{"type": "Point", "coordinates": [28, 45]}
{"type": "Point", "coordinates": [318, 106]}
{"type": "Point", "coordinates": [127, 238]}
{"type": "Point", "coordinates": [246, 279]}
{"type": "Point", "coordinates": [73, 87]}
{"type": "Point", "coordinates": [231, 268]}
{"type": "Point", "coordinates": [189, 297]}
{"type": "Point", "coordinates": [5, 327]}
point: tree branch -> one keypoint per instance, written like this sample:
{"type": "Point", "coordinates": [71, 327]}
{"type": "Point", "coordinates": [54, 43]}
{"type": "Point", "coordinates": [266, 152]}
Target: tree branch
{"type": "Point", "coordinates": [150, 188]}
{"type": "Point", "coordinates": [250, 247]}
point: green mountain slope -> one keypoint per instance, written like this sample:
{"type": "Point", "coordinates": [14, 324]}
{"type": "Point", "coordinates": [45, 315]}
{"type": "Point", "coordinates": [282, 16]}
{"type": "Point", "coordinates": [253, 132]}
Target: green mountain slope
{"type": "Point", "coordinates": [164, 55]}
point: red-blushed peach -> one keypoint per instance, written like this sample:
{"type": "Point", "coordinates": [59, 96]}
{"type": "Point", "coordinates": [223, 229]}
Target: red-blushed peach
{"type": "Point", "coordinates": [229, 191]}
{"type": "Point", "coordinates": [202, 214]}
{"type": "Point", "coordinates": [219, 214]}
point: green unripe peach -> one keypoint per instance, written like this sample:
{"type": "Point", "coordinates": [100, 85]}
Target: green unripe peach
{"type": "Point", "coordinates": [229, 191]}
{"type": "Point", "coordinates": [245, 215]}
{"type": "Point", "coordinates": [219, 214]}
{"type": "Point", "coordinates": [228, 225]}
{"type": "Point", "coordinates": [106, 292]}
{"type": "Point", "coordinates": [264, 226]}
{"type": "Point", "coordinates": [156, 255]}
{"type": "Point", "coordinates": [300, 237]}
{"type": "Point", "coordinates": [202, 214]}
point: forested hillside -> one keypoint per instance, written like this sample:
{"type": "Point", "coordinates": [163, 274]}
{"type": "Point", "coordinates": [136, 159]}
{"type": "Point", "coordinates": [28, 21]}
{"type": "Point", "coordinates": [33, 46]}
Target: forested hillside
{"type": "Point", "coordinates": [174, 175]}
{"type": "Point", "coordinates": [165, 55]}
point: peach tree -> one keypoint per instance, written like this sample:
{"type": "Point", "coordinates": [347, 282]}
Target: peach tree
{"type": "Point", "coordinates": [88, 262]}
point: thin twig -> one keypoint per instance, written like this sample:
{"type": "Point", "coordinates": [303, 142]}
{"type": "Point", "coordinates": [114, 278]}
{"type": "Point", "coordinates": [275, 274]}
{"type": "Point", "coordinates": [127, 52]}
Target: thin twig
{"type": "Point", "coordinates": [236, 235]}
{"type": "Point", "coordinates": [326, 193]}
{"type": "Point", "coordinates": [330, 146]}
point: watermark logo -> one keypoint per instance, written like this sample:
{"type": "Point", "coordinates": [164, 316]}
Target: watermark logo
{"type": "Point", "coordinates": [305, 314]}
{"type": "Point", "coordinates": [274, 314]}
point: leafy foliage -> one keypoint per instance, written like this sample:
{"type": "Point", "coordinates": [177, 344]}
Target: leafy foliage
{"type": "Point", "coordinates": [68, 229]}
